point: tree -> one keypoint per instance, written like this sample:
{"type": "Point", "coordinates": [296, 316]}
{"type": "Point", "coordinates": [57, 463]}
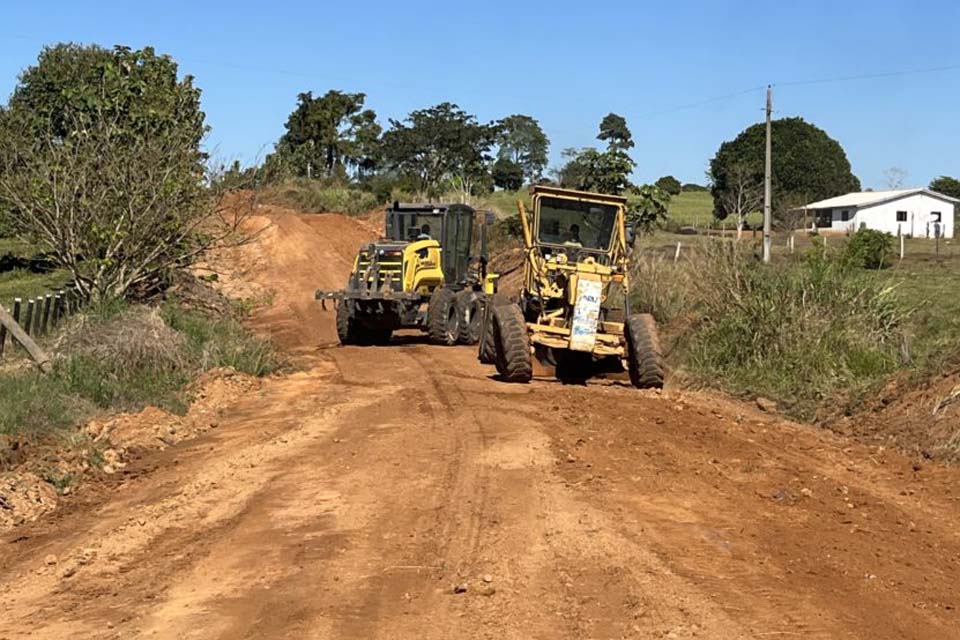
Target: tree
{"type": "Point", "coordinates": [437, 145]}
{"type": "Point", "coordinates": [521, 140]}
{"type": "Point", "coordinates": [101, 165]}
{"type": "Point", "coordinates": [613, 129]}
{"type": "Point", "coordinates": [648, 207]}
{"type": "Point", "coordinates": [592, 170]}
{"type": "Point", "coordinates": [669, 184]}
{"type": "Point", "coordinates": [808, 164]}
{"type": "Point", "coordinates": [692, 186]}
{"type": "Point", "coordinates": [327, 135]}
{"type": "Point", "coordinates": [743, 196]}
{"type": "Point", "coordinates": [507, 174]}
{"type": "Point", "coordinates": [894, 177]}
{"type": "Point", "coordinates": [947, 186]}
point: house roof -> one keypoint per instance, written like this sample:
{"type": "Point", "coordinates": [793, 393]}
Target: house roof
{"type": "Point", "coordinates": [868, 198]}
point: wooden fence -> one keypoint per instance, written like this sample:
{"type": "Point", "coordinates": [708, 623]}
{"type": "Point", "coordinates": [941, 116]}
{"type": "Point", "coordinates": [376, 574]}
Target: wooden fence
{"type": "Point", "coordinates": [40, 316]}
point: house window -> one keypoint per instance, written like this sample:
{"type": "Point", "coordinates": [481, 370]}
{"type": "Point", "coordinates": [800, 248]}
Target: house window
{"type": "Point", "coordinates": [901, 216]}
{"type": "Point", "coordinates": [935, 216]}
{"type": "Point", "coordinates": [845, 215]}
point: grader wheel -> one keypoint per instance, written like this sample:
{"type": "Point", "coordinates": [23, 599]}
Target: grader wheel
{"type": "Point", "coordinates": [346, 325]}
{"type": "Point", "coordinates": [469, 316]}
{"type": "Point", "coordinates": [644, 357]}
{"type": "Point", "coordinates": [512, 344]}
{"type": "Point", "coordinates": [442, 321]}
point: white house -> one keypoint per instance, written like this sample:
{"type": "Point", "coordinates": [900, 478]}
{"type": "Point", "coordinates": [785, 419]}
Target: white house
{"type": "Point", "coordinates": [918, 213]}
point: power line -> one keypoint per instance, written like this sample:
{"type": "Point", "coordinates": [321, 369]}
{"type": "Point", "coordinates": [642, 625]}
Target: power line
{"type": "Point", "coordinates": [868, 76]}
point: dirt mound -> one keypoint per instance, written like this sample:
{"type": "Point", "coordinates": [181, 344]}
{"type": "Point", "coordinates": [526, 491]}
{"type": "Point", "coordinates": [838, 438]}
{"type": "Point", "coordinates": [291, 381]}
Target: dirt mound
{"type": "Point", "coordinates": [922, 419]}
{"type": "Point", "coordinates": [105, 446]}
{"type": "Point", "coordinates": [291, 256]}
{"type": "Point", "coordinates": [509, 265]}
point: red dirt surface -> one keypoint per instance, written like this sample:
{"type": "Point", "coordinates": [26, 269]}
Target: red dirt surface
{"type": "Point", "coordinates": [403, 492]}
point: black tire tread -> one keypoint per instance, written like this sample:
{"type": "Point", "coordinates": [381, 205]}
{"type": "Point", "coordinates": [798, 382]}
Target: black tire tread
{"type": "Point", "coordinates": [644, 355]}
{"type": "Point", "coordinates": [437, 312]}
{"type": "Point", "coordinates": [512, 344]}
{"type": "Point", "coordinates": [468, 306]}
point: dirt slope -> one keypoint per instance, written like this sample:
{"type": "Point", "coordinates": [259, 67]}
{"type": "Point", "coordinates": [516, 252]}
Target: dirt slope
{"type": "Point", "coordinates": [292, 256]}
{"type": "Point", "coordinates": [402, 492]}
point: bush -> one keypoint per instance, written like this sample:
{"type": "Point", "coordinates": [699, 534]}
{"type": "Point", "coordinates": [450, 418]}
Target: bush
{"type": "Point", "coordinates": [803, 332]}
{"type": "Point", "coordinates": [316, 196]}
{"type": "Point", "coordinates": [869, 249]}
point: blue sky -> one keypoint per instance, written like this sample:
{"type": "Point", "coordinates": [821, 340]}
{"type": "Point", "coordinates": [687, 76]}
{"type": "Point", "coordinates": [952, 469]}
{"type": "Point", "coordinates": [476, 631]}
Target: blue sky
{"type": "Point", "coordinates": [567, 64]}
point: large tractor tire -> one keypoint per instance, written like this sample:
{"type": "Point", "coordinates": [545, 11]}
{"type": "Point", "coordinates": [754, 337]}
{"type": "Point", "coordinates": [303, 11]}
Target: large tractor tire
{"type": "Point", "coordinates": [442, 321]}
{"type": "Point", "coordinates": [346, 325]}
{"type": "Point", "coordinates": [644, 356]}
{"type": "Point", "coordinates": [469, 316]}
{"type": "Point", "coordinates": [512, 344]}
{"type": "Point", "coordinates": [488, 347]}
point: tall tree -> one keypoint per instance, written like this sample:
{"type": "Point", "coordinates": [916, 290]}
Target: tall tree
{"type": "Point", "coordinates": [743, 196]}
{"type": "Point", "coordinates": [438, 146]}
{"type": "Point", "coordinates": [598, 171]}
{"type": "Point", "coordinates": [947, 186]}
{"type": "Point", "coordinates": [521, 140]}
{"type": "Point", "coordinates": [101, 164]}
{"type": "Point", "coordinates": [614, 130]}
{"type": "Point", "coordinates": [507, 174]}
{"type": "Point", "coordinates": [807, 164]}
{"type": "Point", "coordinates": [329, 134]}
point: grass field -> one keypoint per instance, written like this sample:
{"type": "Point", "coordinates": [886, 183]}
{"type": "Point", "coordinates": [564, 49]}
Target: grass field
{"type": "Point", "coordinates": [23, 283]}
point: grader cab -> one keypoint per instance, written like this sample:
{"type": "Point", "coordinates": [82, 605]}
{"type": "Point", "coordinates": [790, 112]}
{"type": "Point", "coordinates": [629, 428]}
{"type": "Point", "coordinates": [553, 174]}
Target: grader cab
{"type": "Point", "coordinates": [423, 274]}
{"type": "Point", "coordinates": [573, 309]}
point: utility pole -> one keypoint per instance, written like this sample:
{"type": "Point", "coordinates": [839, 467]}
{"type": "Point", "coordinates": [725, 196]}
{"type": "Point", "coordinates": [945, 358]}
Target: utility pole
{"type": "Point", "coordinates": [766, 184]}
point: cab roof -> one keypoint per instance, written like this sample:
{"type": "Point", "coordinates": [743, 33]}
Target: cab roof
{"type": "Point", "coordinates": [573, 194]}
{"type": "Point", "coordinates": [429, 207]}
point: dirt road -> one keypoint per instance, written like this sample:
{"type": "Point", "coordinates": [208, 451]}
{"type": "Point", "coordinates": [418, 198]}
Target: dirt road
{"type": "Point", "coordinates": [401, 492]}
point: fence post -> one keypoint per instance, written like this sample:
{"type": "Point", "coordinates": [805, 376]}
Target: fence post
{"type": "Point", "coordinates": [57, 308]}
{"type": "Point", "coordinates": [45, 319]}
{"type": "Point", "coordinates": [28, 318]}
{"type": "Point", "coordinates": [3, 338]}
{"type": "Point", "coordinates": [38, 317]}
{"type": "Point", "coordinates": [676, 256]}
{"type": "Point", "coordinates": [901, 246]}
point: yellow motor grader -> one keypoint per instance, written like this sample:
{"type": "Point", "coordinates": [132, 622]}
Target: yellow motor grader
{"type": "Point", "coordinates": [573, 308]}
{"type": "Point", "coordinates": [421, 274]}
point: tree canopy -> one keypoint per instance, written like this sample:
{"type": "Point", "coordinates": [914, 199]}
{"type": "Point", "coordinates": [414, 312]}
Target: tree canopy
{"type": "Point", "coordinates": [670, 184]}
{"type": "Point", "coordinates": [330, 134]}
{"type": "Point", "coordinates": [438, 146]}
{"type": "Point", "coordinates": [614, 130]}
{"type": "Point", "coordinates": [521, 140]}
{"type": "Point", "coordinates": [807, 164]}
{"type": "Point", "coordinates": [101, 165]}
{"type": "Point", "coordinates": [947, 186]}
{"type": "Point", "coordinates": [507, 174]}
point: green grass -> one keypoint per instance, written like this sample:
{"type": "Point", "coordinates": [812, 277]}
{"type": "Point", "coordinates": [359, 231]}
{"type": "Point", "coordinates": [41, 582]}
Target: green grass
{"type": "Point", "coordinates": [316, 196]}
{"type": "Point", "coordinates": [694, 208]}
{"type": "Point", "coordinates": [503, 203]}
{"type": "Point", "coordinates": [122, 359]}
{"type": "Point", "coordinates": [807, 330]}
{"type": "Point", "coordinates": [25, 284]}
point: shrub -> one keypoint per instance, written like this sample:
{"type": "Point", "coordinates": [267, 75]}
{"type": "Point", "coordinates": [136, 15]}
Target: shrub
{"type": "Point", "coordinates": [124, 358]}
{"type": "Point", "coordinates": [800, 332]}
{"type": "Point", "coordinates": [869, 249]}
{"type": "Point", "coordinates": [316, 196]}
